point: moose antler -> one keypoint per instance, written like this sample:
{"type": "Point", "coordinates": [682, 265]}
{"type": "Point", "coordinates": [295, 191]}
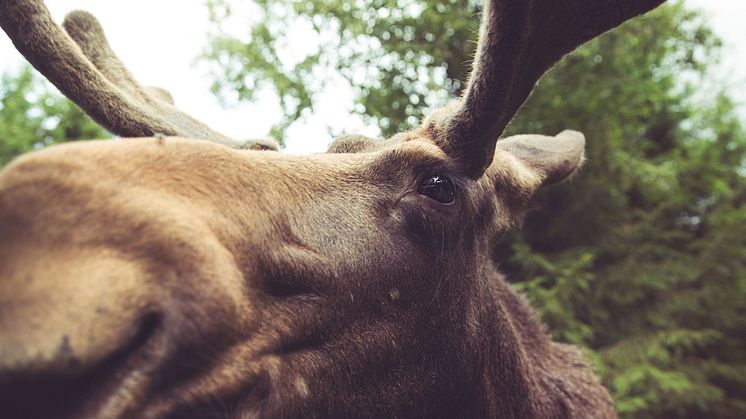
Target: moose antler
{"type": "Point", "coordinates": [85, 69]}
{"type": "Point", "coordinates": [518, 42]}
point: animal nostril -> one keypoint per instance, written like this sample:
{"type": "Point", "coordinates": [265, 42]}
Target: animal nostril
{"type": "Point", "coordinates": [149, 324]}
{"type": "Point", "coordinates": [63, 391]}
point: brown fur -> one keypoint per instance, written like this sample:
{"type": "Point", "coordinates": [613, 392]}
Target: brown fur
{"type": "Point", "coordinates": [171, 277]}
{"type": "Point", "coordinates": [280, 286]}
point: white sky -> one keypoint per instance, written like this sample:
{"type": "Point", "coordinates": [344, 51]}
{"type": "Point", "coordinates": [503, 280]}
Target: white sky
{"type": "Point", "coordinates": [159, 39]}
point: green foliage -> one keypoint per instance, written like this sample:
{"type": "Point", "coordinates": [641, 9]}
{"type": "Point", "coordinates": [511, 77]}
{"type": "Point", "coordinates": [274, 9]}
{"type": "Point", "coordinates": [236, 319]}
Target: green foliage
{"type": "Point", "coordinates": [401, 56]}
{"type": "Point", "coordinates": [33, 117]}
{"type": "Point", "coordinates": [658, 210]}
{"type": "Point", "coordinates": [640, 258]}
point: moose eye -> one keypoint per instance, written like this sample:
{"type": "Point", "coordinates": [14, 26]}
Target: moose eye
{"type": "Point", "coordinates": [439, 188]}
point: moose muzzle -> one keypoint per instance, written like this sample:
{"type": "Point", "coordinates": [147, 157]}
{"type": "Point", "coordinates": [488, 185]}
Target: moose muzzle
{"type": "Point", "coordinates": [104, 279]}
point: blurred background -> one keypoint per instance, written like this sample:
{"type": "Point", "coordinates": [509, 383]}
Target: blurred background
{"type": "Point", "coordinates": [640, 258]}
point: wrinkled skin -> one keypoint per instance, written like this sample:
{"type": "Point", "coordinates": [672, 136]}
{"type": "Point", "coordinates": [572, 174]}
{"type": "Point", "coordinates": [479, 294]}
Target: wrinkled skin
{"type": "Point", "coordinates": [171, 277]}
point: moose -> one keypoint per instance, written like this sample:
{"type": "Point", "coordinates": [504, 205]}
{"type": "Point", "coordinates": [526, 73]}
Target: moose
{"type": "Point", "coordinates": [181, 273]}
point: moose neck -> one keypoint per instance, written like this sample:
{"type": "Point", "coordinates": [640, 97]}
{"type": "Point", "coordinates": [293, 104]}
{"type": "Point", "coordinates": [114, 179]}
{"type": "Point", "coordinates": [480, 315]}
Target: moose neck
{"type": "Point", "coordinates": [526, 374]}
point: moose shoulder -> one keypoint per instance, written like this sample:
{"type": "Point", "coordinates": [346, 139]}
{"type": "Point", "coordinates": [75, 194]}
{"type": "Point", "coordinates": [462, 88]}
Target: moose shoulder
{"type": "Point", "coordinates": [187, 274]}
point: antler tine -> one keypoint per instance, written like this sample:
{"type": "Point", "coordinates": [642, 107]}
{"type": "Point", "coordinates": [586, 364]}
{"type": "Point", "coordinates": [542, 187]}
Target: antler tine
{"type": "Point", "coordinates": [91, 75]}
{"type": "Point", "coordinates": [519, 41]}
{"type": "Point", "coordinates": [87, 32]}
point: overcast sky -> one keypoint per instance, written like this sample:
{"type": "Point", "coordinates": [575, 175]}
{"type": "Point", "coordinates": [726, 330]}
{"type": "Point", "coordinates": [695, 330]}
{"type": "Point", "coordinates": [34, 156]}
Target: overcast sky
{"type": "Point", "coordinates": [159, 39]}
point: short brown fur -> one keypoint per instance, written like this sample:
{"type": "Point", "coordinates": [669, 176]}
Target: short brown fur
{"type": "Point", "coordinates": [178, 277]}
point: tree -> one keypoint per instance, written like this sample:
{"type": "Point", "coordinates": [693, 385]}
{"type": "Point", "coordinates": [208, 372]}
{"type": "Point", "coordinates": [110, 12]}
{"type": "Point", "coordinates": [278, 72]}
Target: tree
{"type": "Point", "coordinates": [640, 258]}
{"type": "Point", "coordinates": [33, 117]}
{"type": "Point", "coordinates": [401, 56]}
{"type": "Point", "coordinates": [654, 273]}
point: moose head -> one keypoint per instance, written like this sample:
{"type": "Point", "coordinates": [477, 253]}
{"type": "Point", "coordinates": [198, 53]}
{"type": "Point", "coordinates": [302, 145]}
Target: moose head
{"type": "Point", "coordinates": [184, 274]}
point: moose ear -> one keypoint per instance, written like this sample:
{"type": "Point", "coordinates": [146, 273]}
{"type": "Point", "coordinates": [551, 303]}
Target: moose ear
{"type": "Point", "coordinates": [552, 158]}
